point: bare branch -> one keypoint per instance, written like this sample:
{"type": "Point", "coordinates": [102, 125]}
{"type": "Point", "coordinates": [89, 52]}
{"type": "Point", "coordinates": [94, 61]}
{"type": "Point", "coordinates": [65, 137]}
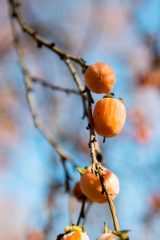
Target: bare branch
{"type": "Point", "coordinates": [95, 152]}
{"type": "Point", "coordinates": [82, 211]}
{"type": "Point", "coordinates": [79, 84]}
{"type": "Point", "coordinates": [32, 105]}
{"type": "Point", "coordinates": [51, 86]}
{"type": "Point", "coordinates": [39, 39]}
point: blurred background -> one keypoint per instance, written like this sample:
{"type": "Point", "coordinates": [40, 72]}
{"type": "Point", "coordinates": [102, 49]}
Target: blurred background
{"type": "Point", "coordinates": [124, 34]}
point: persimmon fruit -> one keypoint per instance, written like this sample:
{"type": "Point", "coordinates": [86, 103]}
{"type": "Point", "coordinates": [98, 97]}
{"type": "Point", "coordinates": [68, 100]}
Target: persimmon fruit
{"type": "Point", "coordinates": [91, 186]}
{"type": "Point", "coordinates": [109, 117]}
{"type": "Point", "coordinates": [73, 233]}
{"type": "Point", "coordinates": [99, 77]}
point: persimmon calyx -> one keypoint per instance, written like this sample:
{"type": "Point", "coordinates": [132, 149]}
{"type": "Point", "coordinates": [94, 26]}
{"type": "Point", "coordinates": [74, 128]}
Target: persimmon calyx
{"type": "Point", "coordinates": [82, 170]}
{"type": "Point", "coordinates": [69, 229]}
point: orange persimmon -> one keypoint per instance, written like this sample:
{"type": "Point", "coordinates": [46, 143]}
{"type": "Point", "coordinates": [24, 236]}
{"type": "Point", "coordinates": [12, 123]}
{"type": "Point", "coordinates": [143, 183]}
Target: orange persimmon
{"type": "Point", "coordinates": [109, 117]}
{"type": "Point", "coordinates": [99, 77]}
{"type": "Point", "coordinates": [91, 186]}
{"type": "Point", "coordinates": [73, 233]}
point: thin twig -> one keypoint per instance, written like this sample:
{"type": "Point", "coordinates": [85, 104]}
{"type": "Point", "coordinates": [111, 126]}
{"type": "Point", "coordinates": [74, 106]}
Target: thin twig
{"type": "Point", "coordinates": [38, 38]}
{"type": "Point", "coordinates": [32, 105]}
{"type": "Point", "coordinates": [82, 212]}
{"type": "Point", "coordinates": [43, 42]}
{"type": "Point", "coordinates": [79, 86]}
{"type": "Point", "coordinates": [92, 139]}
{"type": "Point", "coordinates": [51, 86]}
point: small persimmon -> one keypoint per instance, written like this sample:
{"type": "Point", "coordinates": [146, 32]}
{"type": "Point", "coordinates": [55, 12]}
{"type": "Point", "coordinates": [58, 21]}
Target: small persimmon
{"type": "Point", "coordinates": [73, 233]}
{"type": "Point", "coordinates": [108, 236]}
{"type": "Point", "coordinates": [77, 192]}
{"type": "Point", "coordinates": [99, 77]}
{"type": "Point", "coordinates": [113, 235]}
{"type": "Point", "coordinates": [109, 117]}
{"type": "Point", "coordinates": [91, 186]}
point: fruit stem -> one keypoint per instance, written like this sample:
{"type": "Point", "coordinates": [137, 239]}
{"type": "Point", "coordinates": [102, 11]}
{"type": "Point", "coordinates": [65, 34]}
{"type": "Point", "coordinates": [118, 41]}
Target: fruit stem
{"type": "Point", "coordinates": [81, 214]}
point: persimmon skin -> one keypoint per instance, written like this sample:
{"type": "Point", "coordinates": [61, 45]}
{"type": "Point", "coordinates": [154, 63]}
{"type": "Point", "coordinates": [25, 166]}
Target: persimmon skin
{"type": "Point", "coordinates": [109, 117]}
{"type": "Point", "coordinates": [77, 192]}
{"type": "Point", "coordinates": [91, 186]}
{"type": "Point", "coordinates": [99, 77]}
{"type": "Point", "coordinates": [75, 235]}
{"type": "Point", "coordinates": [72, 236]}
{"type": "Point", "coordinates": [108, 236]}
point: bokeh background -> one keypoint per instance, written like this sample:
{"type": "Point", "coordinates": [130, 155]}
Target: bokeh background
{"type": "Point", "coordinates": [124, 34]}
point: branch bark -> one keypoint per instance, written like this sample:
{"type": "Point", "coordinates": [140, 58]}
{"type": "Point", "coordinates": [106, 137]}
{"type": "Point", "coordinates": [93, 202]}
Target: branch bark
{"type": "Point", "coordinates": [51, 86]}
{"type": "Point", "coordinates": [38, 38]}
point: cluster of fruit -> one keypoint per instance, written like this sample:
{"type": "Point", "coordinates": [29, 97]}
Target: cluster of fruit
{"type": "Point", "coordinates": [108, 118]}
{"type": "Point", "coordinates": [109, 113]}
{"type": "Point", "coordinates": [78, 233]}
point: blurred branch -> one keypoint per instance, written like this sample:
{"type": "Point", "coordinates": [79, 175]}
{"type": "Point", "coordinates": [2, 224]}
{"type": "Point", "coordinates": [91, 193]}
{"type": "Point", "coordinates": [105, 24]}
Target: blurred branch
{"type": "Point", "coordinates": [32, 105]}
{"type": "Point", "coordinates": [43, 42]}
{"type": "Point", "coordinates": [54, 87]}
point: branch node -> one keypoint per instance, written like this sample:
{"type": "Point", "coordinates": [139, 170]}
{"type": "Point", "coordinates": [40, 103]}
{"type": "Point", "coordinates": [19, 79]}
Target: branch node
{"type": "Point", "coordinates": [52, 44]}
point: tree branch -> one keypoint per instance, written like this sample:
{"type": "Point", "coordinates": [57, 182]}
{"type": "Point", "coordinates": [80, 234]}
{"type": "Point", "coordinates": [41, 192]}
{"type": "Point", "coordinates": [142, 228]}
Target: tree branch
{"type": "Point", "coordinates": [39, 39]}
{"type": "Point", "coordinates": [32, 105]}
{"type": "Point", "coordinates": [82, 212]}
{"type": "Point", "coordinates": [79, 84]}
{"type": "Point", "coordinates": [51, 86]}
{"type": "Point", "coordinates": [95, 152]}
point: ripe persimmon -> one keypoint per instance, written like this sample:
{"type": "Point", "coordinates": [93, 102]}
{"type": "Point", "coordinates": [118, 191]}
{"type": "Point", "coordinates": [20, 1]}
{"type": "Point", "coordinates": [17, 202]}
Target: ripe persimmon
{"type": "Point", "coordinates": [109, 117]}
{"type": "Point", "coordinates": [73, 233]}
{"type": "Point", "coordinates": [99, 77]}
{"type": "Point", "coordinates": [91, 186]}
